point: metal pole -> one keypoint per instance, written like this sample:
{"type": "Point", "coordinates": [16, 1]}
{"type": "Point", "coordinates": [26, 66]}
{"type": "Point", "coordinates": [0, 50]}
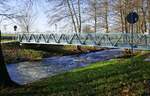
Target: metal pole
{"type": "Point", "coordinates": [132, 18]}
{"type": "Point", "coordinates": [56, 28]}
{"type": "Point", "coordinates": [0, 37]}
{"type": "Point", "coordinates": [15, 35]}
{"type": "Point", "coordinates": [132, 45]}
{"type": "Point", "coordinates": [132, 41]}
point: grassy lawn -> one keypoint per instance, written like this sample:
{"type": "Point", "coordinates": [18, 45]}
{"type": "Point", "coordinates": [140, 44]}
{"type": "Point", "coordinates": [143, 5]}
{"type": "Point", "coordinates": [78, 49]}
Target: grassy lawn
{"type": "Point", "coordinates": [20, 55]}
{"type": "Point", "coordinates": [14, 53]}
{"type": "Point", "coordinates": [8, 34]}
{"type": "Point", "coordinates": [8, 41]}
{"type": "Point", "coordinates": [116, 77]}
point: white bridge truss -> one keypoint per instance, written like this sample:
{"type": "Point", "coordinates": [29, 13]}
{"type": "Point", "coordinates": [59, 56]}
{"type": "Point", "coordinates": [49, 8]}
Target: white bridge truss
{"type": "Point", "coordinates": [110, 40]}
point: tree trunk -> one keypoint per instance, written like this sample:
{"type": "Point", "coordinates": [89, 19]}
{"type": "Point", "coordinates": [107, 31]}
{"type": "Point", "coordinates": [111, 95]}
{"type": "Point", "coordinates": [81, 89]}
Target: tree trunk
{"type": "Point", "coordinates": [79, 13]}
{"type": "Point", "coordinates": [122, 23]}
{"type": "Point", "coordinates": [106, 17]}
{"type": "Point", "coordinates": [72, 17]}
{"type": "Point", "coordinates": [121, 15]}
{"type": "Point", "coordinates": [148, 16]}
{"type": "Point", "coordinates": [126, 25]}
{"type": "Point", "coordinates": [77, 24]}
{"type": "Point", "coordinates": [95, 16]}
{"type": "Point", "coordinates": [75, 15]}
{"type": "Point", "coordinates": [144, 19]}
{"type": "Point", "coordinates": [5, 80]}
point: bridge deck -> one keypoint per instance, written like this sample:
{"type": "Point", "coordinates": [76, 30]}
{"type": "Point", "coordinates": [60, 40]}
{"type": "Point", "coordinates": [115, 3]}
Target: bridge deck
{"type": "Point", "coordinates": [111, 40]}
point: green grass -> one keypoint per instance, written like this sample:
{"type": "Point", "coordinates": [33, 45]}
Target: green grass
{"type": "Point", "coordinates": [18, 55]}
{"type": "Point", "coordinates": [8, 34]}
{"type": "Point", "coordinates": [14, 53]}
{"type": "Point", "coordinates": [8, 41]}
{"type": "Point", "coordinates": [116, 77]}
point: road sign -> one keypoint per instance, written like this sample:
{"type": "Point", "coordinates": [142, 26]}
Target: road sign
{"type": "Point", "coordinates": [132, 17]}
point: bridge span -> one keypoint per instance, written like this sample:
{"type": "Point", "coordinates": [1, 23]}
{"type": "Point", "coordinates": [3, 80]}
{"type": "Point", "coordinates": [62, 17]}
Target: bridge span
{"type": "Point", "coordinates": [110, 40]}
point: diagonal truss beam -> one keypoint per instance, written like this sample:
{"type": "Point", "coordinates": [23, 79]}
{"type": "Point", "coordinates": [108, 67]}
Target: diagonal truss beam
{"type": "Point", "coordinates": [112, 40]}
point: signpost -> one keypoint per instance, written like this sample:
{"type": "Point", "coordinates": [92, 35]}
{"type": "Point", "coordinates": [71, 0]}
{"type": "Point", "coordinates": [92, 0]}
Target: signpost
{"type": "Point", "coordinates": [132, 18]}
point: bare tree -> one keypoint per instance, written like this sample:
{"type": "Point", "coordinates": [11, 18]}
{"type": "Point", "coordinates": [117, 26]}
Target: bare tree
{"type": "Point", "coordinates": [72, 14]}
{"type": "Point", "coordinates": [77, 24]}
{"type": "Point", "coordinates": [94, 14]}
{"type": "Point", "coordinates": [67, 10]}
{"type": "Point", "coordinates": [106, 15]}
{"type": "Point", "coordinates": [102, 11]}
{"type": "Point", "coordinates": [79, 16]}
{"type": "Point", "coordinates": [27, 17]}
{"type": "Point", "coordinates": [122, 8]}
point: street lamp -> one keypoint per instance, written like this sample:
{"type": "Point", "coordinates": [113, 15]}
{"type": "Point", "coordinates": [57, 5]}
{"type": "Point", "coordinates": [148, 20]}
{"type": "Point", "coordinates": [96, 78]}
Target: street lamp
{"type": "Point", "coordinates": [15, 29]}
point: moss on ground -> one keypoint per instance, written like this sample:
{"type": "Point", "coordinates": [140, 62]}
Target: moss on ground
{"type": "Point", "coordinates": [118, 77]}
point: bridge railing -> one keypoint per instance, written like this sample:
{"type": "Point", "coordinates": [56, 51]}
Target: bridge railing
{"type": "Point", "coordinates": [115, 40]}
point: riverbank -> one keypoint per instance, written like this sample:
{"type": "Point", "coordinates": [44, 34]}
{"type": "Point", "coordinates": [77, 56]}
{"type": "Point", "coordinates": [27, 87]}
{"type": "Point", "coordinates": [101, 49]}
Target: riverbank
{"type": "Point", "coordinates": [117, 77]}
{"type": "Point", "coordinates": [14, 53]}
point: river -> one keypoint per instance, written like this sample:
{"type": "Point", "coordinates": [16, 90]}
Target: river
{"type": "Point", "coordinates": [27, 72]}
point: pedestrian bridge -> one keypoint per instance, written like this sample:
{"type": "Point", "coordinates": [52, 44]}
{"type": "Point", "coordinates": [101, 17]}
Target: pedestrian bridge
{"type": "Point", "coordinates": [110, 40]}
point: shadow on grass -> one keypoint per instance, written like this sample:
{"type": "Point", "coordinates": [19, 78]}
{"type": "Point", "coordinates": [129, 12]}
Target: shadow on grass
{"type": "Point", "coordinates": [115, 77]}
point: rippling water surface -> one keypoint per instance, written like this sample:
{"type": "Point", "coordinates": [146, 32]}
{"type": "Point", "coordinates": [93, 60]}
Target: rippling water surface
{"type": "Point", "coordinates": [26, 72]}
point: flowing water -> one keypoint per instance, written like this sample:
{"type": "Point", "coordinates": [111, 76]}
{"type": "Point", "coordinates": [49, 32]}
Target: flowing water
{"type": "Point", "coordinates": [27, 72]}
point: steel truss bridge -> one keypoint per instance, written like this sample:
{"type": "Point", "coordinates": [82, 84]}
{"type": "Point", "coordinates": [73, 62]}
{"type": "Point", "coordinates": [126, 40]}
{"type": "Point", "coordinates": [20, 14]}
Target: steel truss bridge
{"type": "Point", "coordinates": [110, 40]}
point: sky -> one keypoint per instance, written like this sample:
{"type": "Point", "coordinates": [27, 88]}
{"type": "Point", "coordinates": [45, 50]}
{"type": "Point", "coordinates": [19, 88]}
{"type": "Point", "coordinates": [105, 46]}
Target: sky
{"type": "Point", "coordinates": [40, 24]}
